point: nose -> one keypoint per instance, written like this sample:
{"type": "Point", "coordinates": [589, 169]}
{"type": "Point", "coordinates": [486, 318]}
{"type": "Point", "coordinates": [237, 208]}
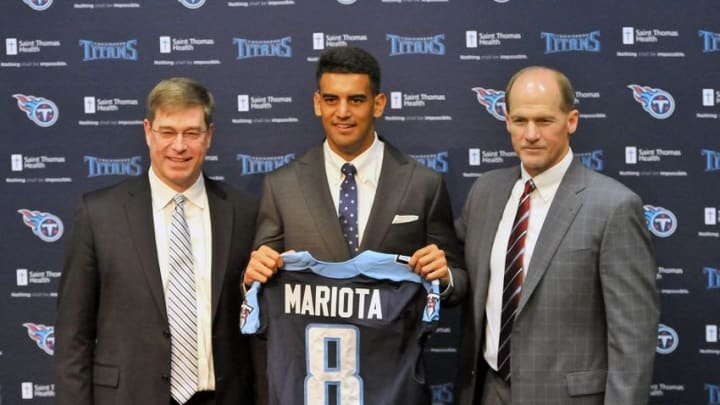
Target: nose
{"type": "Point", "coordinates": [179, 143]}
{"type": "Point", "coordinates": [532, 133]}
{"type": "Point", "coordinates": [342, 111]}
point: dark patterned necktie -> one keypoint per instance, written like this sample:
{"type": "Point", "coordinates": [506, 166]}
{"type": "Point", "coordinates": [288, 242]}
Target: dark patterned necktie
{"type": "Point", "coordinates": [513, 279]}
{"type": "Point", "coordinates": [348, 210]}
{"type": "Point", "coordinates": [182, 308]}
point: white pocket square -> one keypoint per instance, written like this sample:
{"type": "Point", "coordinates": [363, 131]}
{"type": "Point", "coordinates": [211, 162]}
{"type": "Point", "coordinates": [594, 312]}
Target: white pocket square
{"type": "Point", "coordinates": [403, 219]}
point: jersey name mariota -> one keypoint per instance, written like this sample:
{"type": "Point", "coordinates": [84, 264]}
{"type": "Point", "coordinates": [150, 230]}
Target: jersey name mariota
{"type": "Point", "coordinates": [333, 301]}
{"type": "Point", "coordinates": [343, 333]}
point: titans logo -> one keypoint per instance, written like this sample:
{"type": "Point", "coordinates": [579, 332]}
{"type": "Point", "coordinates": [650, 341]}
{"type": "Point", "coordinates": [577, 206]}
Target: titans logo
{"type": "Point", "coordinates": [711, 41]}
{"type": "Point", "coordinates": [39, 5]}
{"type": "Point", "coordinates": [667, 339]}
{"type": "Point", "coordinates": [592, 159]}
{"type": "Point", "coordinates": [432, 308]}
{"type": "Point", "coordinates": [44, 336]}
{"type": "Point", "coordinates": [712, 160]}
{"type": "Point", "coordinates": [658, 103]}
{"type": "Point", "coordinates": [262, 164]}
{"type": "Point", "coordinates": [245, 311]}
{"type": "Point", "coordinates": [493, 100]}
{"type": "Point", "coordinates": [435, 161]}
{"type": "Point", "coordinates": [44, 225]}
{"type": "Point", "coordinates": [660, 221]}
{"type": "Point", "coordinates": [39, 110]}
{"type": "Point", "coordinates": [192, 3]}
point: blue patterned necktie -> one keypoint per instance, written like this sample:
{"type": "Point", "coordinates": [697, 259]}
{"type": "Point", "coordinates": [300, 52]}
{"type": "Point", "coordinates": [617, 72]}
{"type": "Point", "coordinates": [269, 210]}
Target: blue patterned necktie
{"type": "Point", "coordinates": [182, 308]}
{"type": "Point", "coordinates": [347, 209]}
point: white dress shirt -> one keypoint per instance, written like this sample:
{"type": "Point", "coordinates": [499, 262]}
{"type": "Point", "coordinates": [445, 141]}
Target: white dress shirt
{"type": "Point", "coordinates": [368, 165]}
{"type": "Point", "coordinates": [546, 185]}
{"type": "Point", "coordinates": [197, 215]}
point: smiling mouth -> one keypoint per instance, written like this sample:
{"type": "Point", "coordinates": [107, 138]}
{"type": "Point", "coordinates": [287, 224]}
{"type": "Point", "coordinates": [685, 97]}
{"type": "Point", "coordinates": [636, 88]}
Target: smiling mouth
{"type": "Point", "coordinates": [178, 159]}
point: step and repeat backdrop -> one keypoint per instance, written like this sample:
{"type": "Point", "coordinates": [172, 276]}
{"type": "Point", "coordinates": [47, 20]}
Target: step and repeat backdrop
{"type": "Point", "coordinates": [74, 76]}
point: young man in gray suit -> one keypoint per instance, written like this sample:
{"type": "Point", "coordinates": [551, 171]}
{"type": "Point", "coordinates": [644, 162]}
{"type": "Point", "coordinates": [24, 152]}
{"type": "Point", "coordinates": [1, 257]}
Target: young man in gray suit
{"type": "Point", "coordinates": [149, 298]}
{"type": "Point", "coordinates": [402, 206]}
{"type": "Point", "coordinates": [564, 308]}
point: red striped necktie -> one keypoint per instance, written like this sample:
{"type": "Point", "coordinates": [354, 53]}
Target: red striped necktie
{"type": "Point", "coordinates": [513, 280]}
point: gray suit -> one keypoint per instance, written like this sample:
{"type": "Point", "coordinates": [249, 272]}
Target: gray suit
{"type": "Point", "coordinates": [112, 341]}
{"type": "Point", "coordinates": [586, 326]}
{"type": "Point", "coordinates": [297, 212]}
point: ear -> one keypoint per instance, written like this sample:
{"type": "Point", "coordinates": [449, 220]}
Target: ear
{"type": "Point", "coordinates": [211, 132]}
{"type": "Point", "coordinates": [572, 121]}
{"type": "Point", "coordinates": [317, 100]}
{"type": "Point", "coordinates": [379, 107]}
{"type": "Point", "coordinates": [148, 133]}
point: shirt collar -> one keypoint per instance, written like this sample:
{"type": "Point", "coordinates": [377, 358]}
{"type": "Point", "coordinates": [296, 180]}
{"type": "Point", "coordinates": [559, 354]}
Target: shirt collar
{"type": "Point", "coordinates": [162, 194]}
{"type": "Point", "coordinates": [367, 164]}
{"type": "Point", "coordinates": [547, 182]}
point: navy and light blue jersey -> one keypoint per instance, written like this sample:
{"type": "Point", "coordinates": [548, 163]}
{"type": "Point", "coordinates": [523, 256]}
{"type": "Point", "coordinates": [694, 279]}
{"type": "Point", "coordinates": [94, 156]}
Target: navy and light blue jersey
{"type": "Point", "coordinates": [343, 333]}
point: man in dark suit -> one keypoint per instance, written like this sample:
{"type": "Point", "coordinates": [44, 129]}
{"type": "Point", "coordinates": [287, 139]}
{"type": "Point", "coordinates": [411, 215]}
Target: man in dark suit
{"type": "Point", "coordinates": [402, 206]}
{"type": "Point", "coordinates": [149, 299]}
{"type": "Point", "coordinates": [564, 308]}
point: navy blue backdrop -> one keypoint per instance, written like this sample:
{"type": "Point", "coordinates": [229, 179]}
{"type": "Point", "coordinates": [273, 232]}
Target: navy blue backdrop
{"type": "Point", "coordinates": [74, 75]}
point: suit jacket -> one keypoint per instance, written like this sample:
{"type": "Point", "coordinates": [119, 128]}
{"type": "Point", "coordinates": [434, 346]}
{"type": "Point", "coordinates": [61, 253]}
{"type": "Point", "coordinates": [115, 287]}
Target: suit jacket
{"type": "Point", "coordinates": [586, 325]}
{"type": "Point", "coordinates": [112, 342]}
{"type": "Point", "coordinates": [297, 212]}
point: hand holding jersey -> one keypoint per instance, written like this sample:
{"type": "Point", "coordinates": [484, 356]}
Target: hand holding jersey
{"type": "Point", "coordinates": [339, 322]}
{"type": "Point", "coordinates": [429, 262]}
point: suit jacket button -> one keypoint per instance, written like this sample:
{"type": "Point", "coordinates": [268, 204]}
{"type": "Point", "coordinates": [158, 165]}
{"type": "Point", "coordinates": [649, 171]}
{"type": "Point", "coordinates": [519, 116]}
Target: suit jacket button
{"type": "Point", "coordinates": [165, 377]}
{"type": "Point", "coordinates": [166, 333]}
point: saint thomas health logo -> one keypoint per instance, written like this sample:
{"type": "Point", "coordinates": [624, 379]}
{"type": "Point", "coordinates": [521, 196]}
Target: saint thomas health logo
{"type": "Point", "coordinates": [656, 102]}
{"type": "Point", "coordinates": [492, 100]}
{"type": "Point", "coordinates": [39, 110]}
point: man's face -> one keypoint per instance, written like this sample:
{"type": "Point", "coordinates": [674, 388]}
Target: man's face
{"type": "Point", "coordinates": [539, 129]}
{"type": "Point", "coordinates": [178, 140]}
{"type": "Point", "coordinates": [347, 108]}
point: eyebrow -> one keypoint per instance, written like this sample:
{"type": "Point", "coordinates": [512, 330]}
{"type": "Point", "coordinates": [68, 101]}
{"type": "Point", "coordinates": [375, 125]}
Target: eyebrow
{"type": "Point", "coordinates": [356, 95]}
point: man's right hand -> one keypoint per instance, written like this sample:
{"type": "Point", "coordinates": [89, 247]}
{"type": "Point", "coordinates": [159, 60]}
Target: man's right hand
{"type": "Point", "coordinates": [263, 264]}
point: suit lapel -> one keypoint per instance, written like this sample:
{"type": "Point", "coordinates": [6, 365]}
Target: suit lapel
{"type": "Point", "coordinates": [564, 208]}
{"type": "Point", "coordinates": [313, 184]}
{"type": "Point", "coordinates": [139, 216]}
{"type": "Point", "coordinates": [221, 220]}
{"type": "Point", "coordinates": [394, 180]}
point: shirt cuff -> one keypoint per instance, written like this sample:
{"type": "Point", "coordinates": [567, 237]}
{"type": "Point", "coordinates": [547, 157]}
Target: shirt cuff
{"type": "Point", "coordinates": [450, 287]}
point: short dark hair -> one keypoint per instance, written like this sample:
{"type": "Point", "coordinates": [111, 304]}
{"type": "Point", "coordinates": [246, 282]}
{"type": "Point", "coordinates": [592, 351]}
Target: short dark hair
{"type": "Point", "coordinates": [349, 59]}
{"type": "Point", "coordinates": [180, 92]}
{"type": "Point", "coordinates": [567, 93]}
